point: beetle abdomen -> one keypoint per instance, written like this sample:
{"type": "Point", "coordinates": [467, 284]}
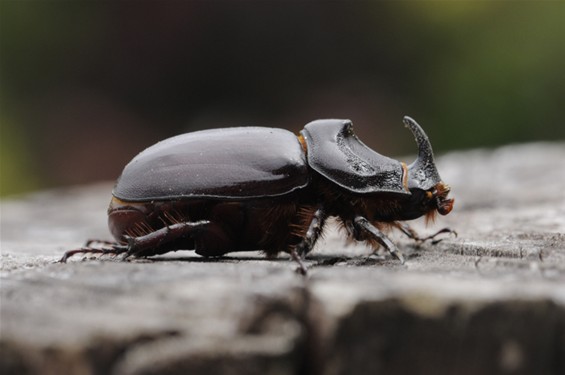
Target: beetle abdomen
{"type": "Point", "coordinates": [271, 225]}
{"type": "Point", "coordinates": [224, 163]}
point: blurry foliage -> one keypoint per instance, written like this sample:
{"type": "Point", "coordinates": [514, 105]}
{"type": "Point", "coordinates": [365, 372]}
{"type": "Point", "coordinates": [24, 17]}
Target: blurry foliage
{"type": "Point", "coordinates": [86, 85]}
{"type": "Point", "coordinates": [503, 81]}
{"type": "Point", "coordinates": [15, 164]}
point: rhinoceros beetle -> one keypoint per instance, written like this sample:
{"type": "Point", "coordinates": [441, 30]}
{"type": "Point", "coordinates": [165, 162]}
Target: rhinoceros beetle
{"type": "Point", "coordinates": [256, 188]}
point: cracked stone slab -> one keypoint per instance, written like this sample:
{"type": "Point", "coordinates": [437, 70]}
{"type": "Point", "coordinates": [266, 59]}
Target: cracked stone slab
{"type": "Point", "coordinates": [91, 314]}
{"type": "Point", "coordinates": [488, 301]}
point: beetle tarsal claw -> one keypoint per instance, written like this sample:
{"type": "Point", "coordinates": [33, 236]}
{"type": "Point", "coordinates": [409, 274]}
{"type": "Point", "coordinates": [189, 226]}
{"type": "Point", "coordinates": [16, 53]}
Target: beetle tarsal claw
{"type": "Point", "coordinates": [398, 255]}
{"type": "Point", "coordinates": [302, 269]}
{"type": "Point", "coordinates": [108, 248]}
{"type": "Point", "coordinates": [395, 253]}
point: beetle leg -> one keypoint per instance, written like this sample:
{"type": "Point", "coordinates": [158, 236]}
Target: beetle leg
{"type": "Point", "coordinates": [313, 233]}
{"type": "Point", "coordinates": [298, 259]}
{"type": "Point", "coordinates": [149, 244]}
{"type": "Point", "coordinates": [364, 225]}
{"type": "Point", "coordinates": [443, 230]}
{"type": "Point", "coordinates": [142, 245]}
{"type": "Point", "coordinates": [113, 248]}
{"type": "Point", "coordinates": [99, 242]}
{"type": "Point", "coordinates": [407, 230]}
{"type": "Point", "coordinates": [411, 233]}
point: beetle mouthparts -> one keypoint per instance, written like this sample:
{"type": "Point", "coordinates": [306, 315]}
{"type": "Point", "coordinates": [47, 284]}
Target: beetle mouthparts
{"type": "Point", "coordinates": [444, 205]}
{"type": "Point", "coordinates": [422, 173]}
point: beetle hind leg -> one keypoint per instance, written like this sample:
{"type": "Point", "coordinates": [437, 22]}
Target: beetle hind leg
{"type": "Point", "coordinates": [112, 248]}
{"type": "Point", "coordinates": [150, 244]}
{"type": "Point", "coordinates": [156, 242]}
{"type": "Point", "coordinates": [89, 243]}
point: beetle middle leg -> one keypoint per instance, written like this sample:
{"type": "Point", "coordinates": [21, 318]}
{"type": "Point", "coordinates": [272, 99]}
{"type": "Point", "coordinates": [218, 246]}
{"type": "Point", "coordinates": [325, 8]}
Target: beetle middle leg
{"type": "Point", "coordinates": [312, 233]}
{"type": "Point", "coordinates": [363, 225]}
{"type": "Point", "coordinates": [411, 233]}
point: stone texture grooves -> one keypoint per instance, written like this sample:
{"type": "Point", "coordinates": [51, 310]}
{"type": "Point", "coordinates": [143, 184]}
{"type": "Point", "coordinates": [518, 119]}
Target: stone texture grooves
{"type": "Point", "coordinates": [490, 301]}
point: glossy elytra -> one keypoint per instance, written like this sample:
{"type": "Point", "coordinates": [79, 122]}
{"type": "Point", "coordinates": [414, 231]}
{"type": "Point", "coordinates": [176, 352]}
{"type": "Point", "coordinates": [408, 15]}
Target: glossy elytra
{"type": "Point", "coordinates": [254, 188]}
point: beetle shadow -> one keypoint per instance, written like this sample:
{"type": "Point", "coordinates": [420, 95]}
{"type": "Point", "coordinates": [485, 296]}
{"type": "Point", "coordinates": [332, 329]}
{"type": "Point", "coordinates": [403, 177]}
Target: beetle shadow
{"type": "Point", "coordinates": [312, 260]}
{"type": "Point", "coordinates": [218, 259]}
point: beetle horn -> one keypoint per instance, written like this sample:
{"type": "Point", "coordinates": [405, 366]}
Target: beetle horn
{"type": "Point", "coordinates": [422, 173]}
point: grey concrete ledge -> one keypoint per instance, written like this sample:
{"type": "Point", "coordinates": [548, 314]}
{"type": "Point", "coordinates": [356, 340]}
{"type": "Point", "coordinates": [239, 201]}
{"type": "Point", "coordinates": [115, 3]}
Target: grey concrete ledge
{"type": "Point", "coordinates": [491, 301]}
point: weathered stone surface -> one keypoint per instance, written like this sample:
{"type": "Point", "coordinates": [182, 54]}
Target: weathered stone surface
{"type": "Point", "coordinates": [491, 300]}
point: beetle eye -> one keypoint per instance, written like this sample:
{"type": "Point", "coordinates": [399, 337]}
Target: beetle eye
{"type": "Point", "coordinates": [429, 195]}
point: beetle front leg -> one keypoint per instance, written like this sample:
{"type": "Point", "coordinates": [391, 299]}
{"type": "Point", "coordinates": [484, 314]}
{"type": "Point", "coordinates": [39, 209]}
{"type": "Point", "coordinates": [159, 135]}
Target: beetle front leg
{"type": "Point", "coordinates": [411, 233]}
{"type": "Point", "coordinates": [363, 225]}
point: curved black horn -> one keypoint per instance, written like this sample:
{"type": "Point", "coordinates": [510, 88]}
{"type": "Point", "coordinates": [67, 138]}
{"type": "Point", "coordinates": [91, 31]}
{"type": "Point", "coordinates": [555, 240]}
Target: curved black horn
{"type": "Point", "coordinates": [422, 173]}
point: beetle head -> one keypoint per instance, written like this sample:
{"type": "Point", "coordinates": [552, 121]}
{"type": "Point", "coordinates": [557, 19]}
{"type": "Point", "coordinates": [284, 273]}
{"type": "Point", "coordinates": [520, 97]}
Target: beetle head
{"type": "Point", "coordinates": [424, 181]}
{"type": "Point", "coordinates": [426, 203]}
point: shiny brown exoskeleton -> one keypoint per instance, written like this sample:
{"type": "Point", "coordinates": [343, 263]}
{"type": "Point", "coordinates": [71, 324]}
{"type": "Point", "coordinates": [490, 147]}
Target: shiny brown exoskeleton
{"type": "Point", "coordinates": [240, 189]}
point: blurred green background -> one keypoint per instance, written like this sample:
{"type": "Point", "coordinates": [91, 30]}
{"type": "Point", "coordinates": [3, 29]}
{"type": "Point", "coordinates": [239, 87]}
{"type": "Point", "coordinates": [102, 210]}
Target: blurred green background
{"type": "Point", "coordinates": [87, 85]}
